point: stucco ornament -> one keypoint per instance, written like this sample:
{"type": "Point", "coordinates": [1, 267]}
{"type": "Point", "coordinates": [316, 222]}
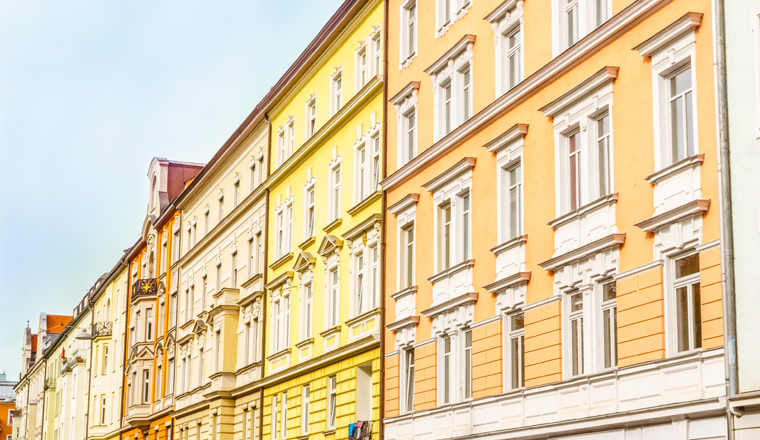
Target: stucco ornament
{"type": "Point", "coordinates": [256, 309]}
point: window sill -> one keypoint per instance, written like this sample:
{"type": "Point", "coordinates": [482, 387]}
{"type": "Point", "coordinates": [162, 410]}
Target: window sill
{"type": "Point", "coordinates": [364, 203]}
{"type": "Point", "coordinates": [331, 331]}
{"type": "Point", "coordinates": [332, 225]}
{"type": "Point", "coordinates": [359, 318]}
{"type": "Point", "coordinates": [572, 215]}
{"type": "Point", "coordinates": [452, 270]}
{"type": "Point", "coordinates": [279, 354]}
{"type": "Point", "coordinates": [330, 432]}
{"type": "Point", "coordinates": [309, 241]}
{"type": "Point", "coordinates": [305, 343]}
{"type": "Point", "coordinates": [510, 244]}
{"type": "Point", "coordinates": [251, 280]}
{"type": "Point", "coordinates": [282, 260]}
{"type": "Point", "coordinates": [406, 62]}
{"type": "Point", "coordinates": [675, 168]}
{"type": "Point", "coordinates": [405, 292]}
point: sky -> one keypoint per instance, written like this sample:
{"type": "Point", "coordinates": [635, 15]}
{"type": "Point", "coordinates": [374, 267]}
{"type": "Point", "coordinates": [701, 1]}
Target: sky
{"type": "Point", "coordinates": [90, 92]}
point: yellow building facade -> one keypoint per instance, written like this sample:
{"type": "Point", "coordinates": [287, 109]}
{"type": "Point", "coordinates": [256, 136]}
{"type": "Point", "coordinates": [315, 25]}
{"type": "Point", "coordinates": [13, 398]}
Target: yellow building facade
{"type": "Point", "coordinates": [322, 353]}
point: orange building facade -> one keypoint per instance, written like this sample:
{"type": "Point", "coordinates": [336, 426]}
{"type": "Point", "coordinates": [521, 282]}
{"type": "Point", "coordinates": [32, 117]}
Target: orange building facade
{"type": "Point", "coordinates": [151, 321]}
{"type": "Point", "coordinates": [552, 263]}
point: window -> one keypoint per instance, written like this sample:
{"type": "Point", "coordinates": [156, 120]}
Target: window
{"type": "Point", "coordinates": [334, 302]}
{"type": "Point", "coordinates": [602, 12]}
{"type": "Point", "coordinates": [146, 386]}
{"type": "Point", "coordinates": [576, 334]}
{"type": "Point", "coordinates": [254, 172]}
{"type": "Point", "coordinates": [206, 228]}
{"type": "Point", "coordinates": [260, 261]}
{"type": "Point", "coordinates": [335, 194]}
{"type": "Point", "coordinates": [517, 350]}
{"type": "Point", "coordinates": [291, 137]}
{"type": "Point", "coordinates": [408, 30]}
{"type": "Point", "coordinates": [281, 155]}
{"type": "Point", "coordinates": [281, 324]}
{"type": "Point", "coordinates": [161, 311]}
{"type": "Point", "coordinates": [173, 310]}
{"type": "Point", "coordinates": [332, 401]}
{"type": "Point", "coordinates": [247, 343]}
{"type": "Point", "coordinates": [377, 54]}
{"type": "Point", "coordinates": [308, 314]}
{"type": "Point", "coordinates": [234, 272]}
{"type": "Point", "coordinates": [375, 273]}
{"type": "Point", "coordinates": [574, 171]}
{"type": "Point", "coordinates": [255, 340]}
{"type": "Point", "coordinates": [103, 410]}
{"type": "Point", "coordinates": [277, 323]}
{"type": "Point", "coordinates": [284, 417]}
{"type": "Point", "coordinates": [175, 246]}
{"type": "Point", "coordinates": [158, 382]}
{"type": "Point", "coordinates": [274, 417]}
{"type": "Point", "coordinates": [468, 364]}
{"type": "Point", "coordinates": [361, 68]}
{"type": "Point", "coordinates": [311, 118]}
{"type": "Point", "coordinates": [218, 351]}
{"type": "Point", "coordinates": [376, 149]}
{"type": "Point", "coordinates": [164, 254]}
{"type": "Point", "coordinates": [576, 19]}
{"type": "Point", "coordinates": [105, 360]}
{"type": "Point", "coordinates": [188, 313]}
{"type": "Point", "coordinates": [251, 257]}
{"type": "Point", "coordinates": [409, 140]}
{"type": "Point", "coordinates": [609, 324]}
{"type": "Point", "coordinates": [359, 285]}
{"type": "Point", "coordinates": [444, 236]}
{"type": "Point", "coordinates": [409, 380]}
{"type": "Point", "coordinates": [571, 21]}
{"type": "Point", "coordinates": [221, 209]}
{"type": "Point", "coordinates": [305, 410]}
{"type": "Point", "coordinates": [219, 277]}
{"type": "Point", "coordinates": [337, 90]}
{"type": "Point", "coordinates": [602, 124]}
{"type": "Point", "coordinates": [446, 369]}
{"type": "Point", "coordinates": [514, 58]}
{"type": "Point", "coordinates": [681, 115]}
{"type": "Point", "coordinates": [362, 173]}
{"type": "Point", "coordinates": [149, 324]}
{"type": "Point", "coordinates": [236, 195]}
{"type": "Point", "coordinates": [447, 110]}
{"type": "Point", "coordinates": [204, 279]}
{"type": "Point", "coordinates": [170, 378]}
{"type": "Point", "coordinates": [465, 233]}
{"type": "Point", "coordinates": [310, 212]}
{"type": "Point", "coordinates": [466, 94]}
{"type": "Point", "coordinates": [688, 303]}
{"type": "Point", "coordinates": [201, 365]}
{"type": "Point", "coordinates": [515, 202]}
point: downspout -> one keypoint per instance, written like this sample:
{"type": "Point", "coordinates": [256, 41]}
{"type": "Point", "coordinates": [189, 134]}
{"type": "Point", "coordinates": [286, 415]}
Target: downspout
{"type": "Point", "coordinates": [727, 232]}
{"type": "Point", "coordinates": [383, 220]}
{"type": "Point", "coordinates": [89, 376]}
{"type": "Point", "coordinates": [44, 401]}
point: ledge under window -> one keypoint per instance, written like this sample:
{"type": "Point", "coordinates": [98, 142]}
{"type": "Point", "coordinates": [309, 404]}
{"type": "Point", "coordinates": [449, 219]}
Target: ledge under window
{"type": "Point", "coordinates": [451, 271]}
{"type": "Point", "coordinates": [674, 168]}
{"type": "Point", "coordinates": [572, 215]}
{"type": "Point", "coordinates": [332, 225]}
{"type": "Point", "coordinates": [282, 260]}
{"type": "Point", "coordinates": [364, 203]}
{"type": "Point", "coordinates": [309, 241]}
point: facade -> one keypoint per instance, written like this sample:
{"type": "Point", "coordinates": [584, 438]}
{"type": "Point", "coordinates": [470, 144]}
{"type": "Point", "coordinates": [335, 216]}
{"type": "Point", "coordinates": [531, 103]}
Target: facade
{"type": "Point", "coordinates": [322, 354]}
{"type": "Point", "coordinates": [742, 38]}
{"type": "Point", "coordinates": [108, 297]}
{"type": "Point", "coordinates": [553, 264]}
{"type": "Point", "coordinates": [151, 322]}
{"type": "Point", "coordinates": [7, 408]}
{"type": "Point", "coordinates": [220, 321]}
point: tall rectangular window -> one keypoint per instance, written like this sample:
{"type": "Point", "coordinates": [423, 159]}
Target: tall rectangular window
{"type": "Point", "coordinates": [410, 137]}
{"type": "Point", "coordinates": [305, 398]}
{"type": "Point", "coordinates": [221, 210]}
{"type": "Point", "coordinates": [361, 173]}
{"type": "Point", "coordinates": [466, 94]}
{"type": "Point", "coordinates": [602, 12]}
{"type": "Point", "coordinates": [310, 212]}
{"type": "Point", "coordinates": [170, 378]}
{"type": "Point", "coordinates": [465, 227]}
{"type": "Point", "coordinates": [188, 306]}
{"type": "Point", "coordinates": [149, 324]}
{"type": "Point", "coordinates": [309, 311]}
{"type": "Point", "coordinates": [219, 278]}
{"type": "Point", "coordinates": [576, 334]}
{"type": "Point", "coordinates": [362, 68]}
{"type": "Point", "coordinates": [376, 148]}
{"type": "Point", "coordinates": [410, 28]}
{"type": "Point", "coordinates": [377, 54]}
{"type": "Point", "coordinates": [158, 382]}
{"type": "Point", "coordinates": [236, 195]}
{"type": "Point", "coordinates": [280, 237]}
{"type": "Point", "coordinates": [276, 308]}
{"type": "Point", "coordinates": [517, 350]}
{"type": "Point", "coordinates": [359, 287]}
{"type": "Point", "coordinates": [161, 311]}
{"type": "Point", "coordinates": [334, 297]}
{"type": "Point", "coordinates": [514, 177]}
{"type": "Point", "coordinates": [284, 417]}
{"type": "Point", "coordinates": [103, 410]}
{"type": "Point", "coordinates": [204, 292]}
{"type": "Point", "coordinates": [164, 254]}
{"type": "Point", "coordinates": [336, 193]}
{"type": "Point", "coordinates": [218, 351]}
{"type": "Point", "coordinates": [514, 57]}
{"type": "Point", "coordinates": [603, 154]}
{"type": "Point", "coordinates": [146, 386]}
{"type": "Point", "coordinates": [681, 115]}
{"type": "Point", "coordinates": [206, 227]}
{"type": "Point", "coordinates": [446, 377]}
{"type": "Point", "coordinates": [337, 92]}
{"type": "Point", "coordinates": [332, 401]}
{"type": "Point", "coordinates": [407, 257]}
{"type": "Point", "coordinates": [201, 365]}
{"type": "Point", "coordinates": [311, 118]}
{"type": "Point", "coordinates": [609, 324]}
{"type": "Point", "coordinates": [468, 364]}
{"type": "Point", "coordinates": [444, 236]}
{"type": "Point", "coordinates": [105, 360]}
{"type": "Point", "coordinates": [375, 272]}
{"type": "Point", "coordinates": [281, 146]}
{"type": "Point", "coordinates": [251, 258]}
{"type": "Point", "coordinates": [247, 343]}
{"type": "Point", "coordinates": [274, 417]}
{"type": "Point", "coordinates": [261, 259]}
{"type": "Point", "coordinates": [175, 246]}
{"type": "Point", "coordinates": [447, 108]}
{"type": "Point", "coordinates": [253, 177]}
{"type": "Point", "coordinates": [571, 21]}
{"type": "Point", "coordinates": [291, 138]}
{"type": "Point", "coordinates": [688, 303]}
{"type": "Point", "coordinates": [409, 380]}
{"type": "Point", "coordinates": [574, 171]}
{"type": "Point", "coordinates": [173, 310]}
{"type": "Point", "coordinates": [234, 271]}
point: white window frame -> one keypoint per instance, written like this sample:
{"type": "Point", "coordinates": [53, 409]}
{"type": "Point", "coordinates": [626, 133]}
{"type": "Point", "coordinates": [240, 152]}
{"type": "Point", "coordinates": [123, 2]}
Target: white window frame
{"type": "Point", "coordinates": [284, 228]}
{"type": "Point", "coordinates": [332, 312]}
{"type": "Point", "coordinates": [448, 12]}
{"type": "Point", "coordinates": [694, 318]}
{"type": "Point", "coordinates": [668, 57]}
{"type": "Point", "coordinates": [234, 271]}
{"type": "Point", "coordinates": [409, 32]}
{"type": "Point", "coordinates": [332, 401]}
{"type": "Point", "coordinates": [362, 172]}
{"type": "Point", "coordinates": [376, 166]}
{"type": "Point", "coordinates": [448, 73]}
{"type": "Point", "coordinates": [281, 146]}
{"type": "Point", "coordinates": [305, 408]}
{"type": "Point", "coordinates": [284, 416]}
{"type": "Point", "coordinates": [607, 331]}
{"type": "Point", "coordinates": [291, 136]}
{"type": "Point", "coordinates": [407, 122]}
{"type": "Point", "coordinates": [507, 20]}
{"type": "Point", "coordinates": [514, 324]}
{"type": "Point", "coordinates": [589, 15]}
{"type": "Point", "coordinates": [336, 180]}
{"type": "Point", "coordinates": [337, 90]}
{"type": "Point", "coordinates": [459, 234]}
{"type": "Point", "coordinates": [310, 210]}
{"type": "Point", "coordinates": [406, 216]}
{"type": "Point", "coordinates": [358, 282]}
{"type": "Point", "coordinates": [576, 366]}
{"type": "Point", "coordinates": [376, 46]}
{"type": "Point", "coordinates": [362, 63]}
{"type": "Point", "coordinates": [275, 417]}
{"type": "Point", "coordinates": [407, 380]}
{"type": "Point", "coordinates": [311, 116]}
{"type": "Point", "coordinates": [307, 311]}
{"type": "Point", "coordinates": [459, 361]}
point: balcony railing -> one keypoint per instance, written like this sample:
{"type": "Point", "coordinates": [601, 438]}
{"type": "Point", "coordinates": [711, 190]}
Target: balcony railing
{"type": "Point", "coordinates": [100, 329]}
{"type": "Point", "coordinates": [147, 287]}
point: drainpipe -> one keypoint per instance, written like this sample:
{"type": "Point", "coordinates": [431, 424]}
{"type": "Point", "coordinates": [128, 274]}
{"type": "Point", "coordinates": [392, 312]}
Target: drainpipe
{"type": "Point", "coordinates": [727, 231]}
{"type": "Point", "coordinates": [383, 222]}
{"type": "Point", "coordinates": [89, 375]}
{"type": "Point", "coordinates": [265, 278]}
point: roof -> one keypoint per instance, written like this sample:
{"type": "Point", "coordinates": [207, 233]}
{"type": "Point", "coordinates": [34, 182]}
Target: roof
{"type": "Point", "coordinates": [57, 323]}
{"type": "Point", "coordinates": [34, 342]}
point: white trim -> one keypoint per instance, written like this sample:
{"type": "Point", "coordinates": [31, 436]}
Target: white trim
{"type": "Point", "coordinates": [541, 303]}
{"type": "Point", "coordinates": [660, 40]}
{"type": "Point", "coordinates": [638, 270]}
{"type": "Point", "coordinates": [708, 246]}
{"type": "Point", "coordinates": [582, 90]}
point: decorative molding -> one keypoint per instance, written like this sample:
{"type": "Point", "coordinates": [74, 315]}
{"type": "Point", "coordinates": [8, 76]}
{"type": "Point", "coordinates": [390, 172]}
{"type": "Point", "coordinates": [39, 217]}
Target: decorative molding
{"type": "Point", "coordinates": [403, 323]}
{"type": "Point", "coordinates": [638, 270]}
{"type": "Point", "coordinates": [688, 22]}
{"type": "Point", "coordinates": [583, 251]}
{"type": "Point", "coordinates": [450, 174]}
{"type": "Point", "coordinates": [465, 298]}
{"type": "Point", "coordinates": [578, 92]}
{"type": "Point", "coordinates": [510, 281]}
{"type": "Point", "coordinates": [466, 41]}
{"type": "Point", "coordinates": [514, 133]}
{"type": "Point", "coordinates": [674, 168]}
{"type": "Point", "coordinates": [398, 98]}
{"type": "Point", "coordinates": [404, 203]}
{"type": "Point", "coordinates": [673, 215]}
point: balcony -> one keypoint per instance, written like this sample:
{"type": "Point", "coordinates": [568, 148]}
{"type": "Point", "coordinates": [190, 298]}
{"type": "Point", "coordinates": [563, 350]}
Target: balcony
{"type": "Point", "coordinates": [147, 287]}
{"type": "Point", "coordinates": [101, 329]}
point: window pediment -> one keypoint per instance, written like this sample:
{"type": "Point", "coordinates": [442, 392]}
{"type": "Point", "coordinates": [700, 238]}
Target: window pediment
{"type": "Point", "coordinates": [329, 245]}
{"type": "Point", "coordinates": [451, 174]}
{"type": "Point", "coordinates": [464, 44]}
{"type": "Point", "coordinates": [580, 91]}
{"type": "Point", "coordinates": [660, 40]}
{"type": "Point", "coordinates": [304, 261]}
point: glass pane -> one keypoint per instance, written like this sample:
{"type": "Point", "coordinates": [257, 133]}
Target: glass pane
{"type": "Point", "coordinates": [574, 347]}
{"type": "Point", "coordinates": [687, 266]}
{"type": "Point", "coordinates": [680, 82]}
{"type": "Point", "coordinates": [606, 324]}
{"type": "Point", "coordinates": [614, 333]}
{"type": "Point", "coordinates": [677, 128]}
{"type": "Point", "coordinates": [610, 291]}
{"type": "Point", "coordinates": [518, 321]}
{"type": "Point", "coordinates": [515, 39]}
{"type": "Point", "coordinates": [576, 302]}
{"type": "Point", "coordinates": [446, 380]}
{"type": "Point", "coordinates": [515, 358]}
{"type": "Point", "coordinates": [513, 212]}
{"type": "Point", "coordinates": [682, 319]}
{"type": "Point", "coordinates": [689, 126]}
{"type": "Point", "coordinates": [697, 305]}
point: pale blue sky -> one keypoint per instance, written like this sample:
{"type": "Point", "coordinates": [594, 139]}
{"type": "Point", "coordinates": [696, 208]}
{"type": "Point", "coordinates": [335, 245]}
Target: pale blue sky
{"type": "Point", "coordinates": [90, 91]}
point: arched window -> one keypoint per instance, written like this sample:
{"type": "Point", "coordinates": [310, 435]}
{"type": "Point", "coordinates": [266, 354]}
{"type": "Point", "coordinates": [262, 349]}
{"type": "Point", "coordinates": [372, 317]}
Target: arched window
{"type": "Point", "coordinates": [153, 193]}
